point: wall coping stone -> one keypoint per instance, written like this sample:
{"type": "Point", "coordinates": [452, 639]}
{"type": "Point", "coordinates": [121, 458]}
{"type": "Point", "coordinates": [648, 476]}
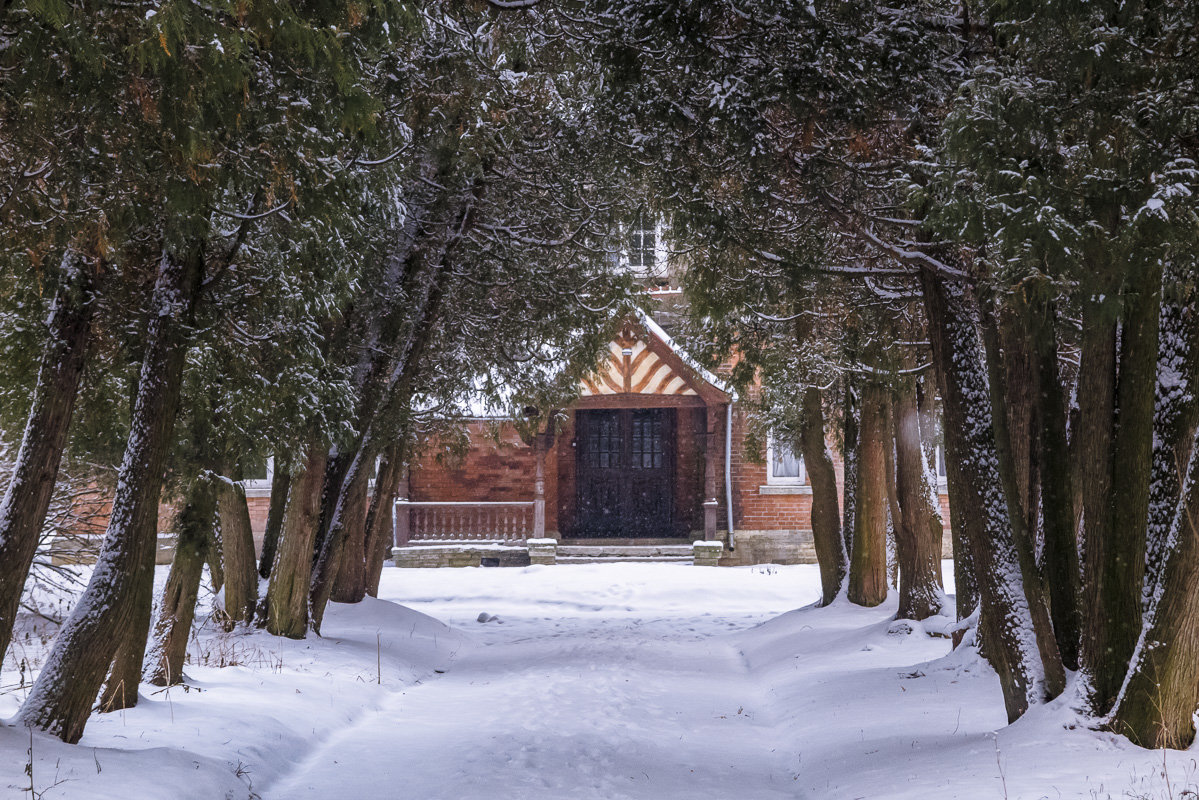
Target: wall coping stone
{"type": "Point", "coordinates": [784, 490]}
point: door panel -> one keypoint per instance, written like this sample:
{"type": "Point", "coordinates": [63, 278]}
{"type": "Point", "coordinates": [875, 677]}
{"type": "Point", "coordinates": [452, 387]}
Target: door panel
{"type": "Point", "coordinates": [625, 472]}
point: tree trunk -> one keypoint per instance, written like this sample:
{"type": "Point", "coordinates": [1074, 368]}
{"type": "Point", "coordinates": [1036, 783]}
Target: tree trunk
{"type": "Point", "coordinates": [1156, 707]}
{"type": "Point", "coordinates": [918, 530]}
{"type": "Point", "coordinates": [27, 500]}
{"type": "Point", "coordinates": [324, 572]}
{"type": "Point", "coordinates": [1059, 552]}
{"type": "Point", "coordinates": [868, 559]}
{"type": "Point", "coordinates": [894, 514]}
{"type": "Point", "coordinates": [1115, 523]}
{"type": "Point", "coordinates": [1018, 382]}
{"type": "Point", "coordinates": [336, 465]}
{"type": "Point", "coordinates": [287, 594]}
{"type": "Point", "coordinates": [826, 511]}
{"type": "Point", "coordinates": [237, 551]}
{"type": "Point", "coordinates": [395, 396]}
{"type": "Point", "coordinates": [350, 584]}
{"type": "Point", "coordinates": [1008, 369]}
{"type": "Point", "coordinates": [177, 611]}
{"type": "Point", "coordinates": [65, 689]}
{"type": "Point", "coordinates": [966, 587]}
{"type": "Point", "coordinates": [379, 529]}
{"type": "Point", "coordinates": [850, 422]}
{"type": "Point", "coordinates": [216, 560]}
{"type": "Point", "coordinates": [125, 673]}
{"type": "Point", "coordinates": [1176, 413]}
{"type": "Point", "coordinates": [1016, 633]}
{"type": "Point", "coordinates": [280, 483]}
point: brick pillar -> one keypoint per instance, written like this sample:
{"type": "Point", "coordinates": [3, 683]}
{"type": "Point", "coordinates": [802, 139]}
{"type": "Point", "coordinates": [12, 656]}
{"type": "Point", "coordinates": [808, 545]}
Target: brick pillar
{"type": "Point", "coordinates": [712, 451]}
{"type": "Point", "coordinates": [402, 519]}
{"type": "Point", "coordinates": [539, 446]}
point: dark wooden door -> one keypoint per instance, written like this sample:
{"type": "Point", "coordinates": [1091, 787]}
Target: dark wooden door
{"type": "Point", "coordinates": [625, 472]}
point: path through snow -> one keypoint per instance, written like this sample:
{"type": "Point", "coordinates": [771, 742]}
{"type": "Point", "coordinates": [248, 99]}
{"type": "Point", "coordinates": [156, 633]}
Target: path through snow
{"type": "Point", "coordinates": [597, 700]}
{"type": "Point", "coordinates": [649, 681]}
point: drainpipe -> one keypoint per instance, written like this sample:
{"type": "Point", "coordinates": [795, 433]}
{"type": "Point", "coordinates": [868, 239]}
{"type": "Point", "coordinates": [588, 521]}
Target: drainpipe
{"type": "Point", "coordinates": [728, 469]}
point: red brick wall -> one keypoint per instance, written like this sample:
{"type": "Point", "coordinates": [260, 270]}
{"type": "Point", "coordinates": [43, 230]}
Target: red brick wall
{"type": "Point", "coordinates": [506, 471]}
{"type": "Point", "coordinates": [755, 511]}
{"type": "Point", "coordinates": [490, 471]}
{"type": "Point", "coordinates": [259, 506]}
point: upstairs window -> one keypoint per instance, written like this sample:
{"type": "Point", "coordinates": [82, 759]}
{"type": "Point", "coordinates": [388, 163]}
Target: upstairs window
{"type": "Point", "coordinates": [784, 467]}
{"type": "Point", "coordinates": [642, 243]}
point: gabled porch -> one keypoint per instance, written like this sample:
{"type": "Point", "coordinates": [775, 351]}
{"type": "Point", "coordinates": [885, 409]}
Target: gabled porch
{"type": "Point", "coordinates": [639, 460]}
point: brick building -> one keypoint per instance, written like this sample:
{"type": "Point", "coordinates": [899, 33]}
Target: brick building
{"type": "Point", "coordinates": [650, 457]}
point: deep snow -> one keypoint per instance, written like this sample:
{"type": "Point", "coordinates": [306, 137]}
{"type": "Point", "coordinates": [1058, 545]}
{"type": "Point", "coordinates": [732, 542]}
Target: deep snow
{"type": "Point", "coordinates": [592, 681]}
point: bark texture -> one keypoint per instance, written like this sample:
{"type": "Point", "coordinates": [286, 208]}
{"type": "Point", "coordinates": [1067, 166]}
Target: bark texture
{"type": "Point", "coordinates": [280, 483]}
{"type": "Point", "coordinates": [63, 694]}
{"type": "Point", "coordinates": [27, 499]}
{"type": "Point", "coordinates": [868, 559]}
{"type": "Point", "coordinates": [850, 422]}
{"type": "Point", "coordinates": [1016, 633]}
{"type": "Point", "coordinates": [1157, 705]}
{"type": "Point", "coordinates": [1059, 551]}
{"type": "Point", "coordinates": [1115, 524]}
{"type": "Point", "coordinates": [380, 532]}
{"type": "Point", "coordinates": [350, 584]}
{"type": "Point", "coordinates": [237, 552]}
{"type": "Point", "coordinates": [164, 665]}
{"type": "Point", "coordinates": [826, 511]}
{"type": "Point", "coordinates": [125, 673]}
{"type": "Point", "coordinates": [287, 594]}
{"type": "Point", "coordinates": [918, 531]}
{"type": "Point", "coordinates": [1176, 414]}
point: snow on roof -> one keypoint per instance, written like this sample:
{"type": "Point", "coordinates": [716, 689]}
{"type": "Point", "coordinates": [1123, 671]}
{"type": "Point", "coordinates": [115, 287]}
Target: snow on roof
{"type": "Point", "coordinates": [478, 406]}
{"type": "Point", "coordinates": [657, 330]}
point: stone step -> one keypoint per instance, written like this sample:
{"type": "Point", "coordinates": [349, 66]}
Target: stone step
{"type": "Point", "coordinates": [639, 541]}
{"type": "Point", "coordinates": [625, 551]}
{"type": "Point", "coordinates": [624, 559]}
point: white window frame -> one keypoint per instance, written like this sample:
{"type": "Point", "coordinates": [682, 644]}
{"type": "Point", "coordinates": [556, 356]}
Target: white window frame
{"type": "Point", "coordinates": [258, 487]}
{"type": "Point", "coordinates": [783, 480]}
{"type": "Point", "coordinates": [658, 267]}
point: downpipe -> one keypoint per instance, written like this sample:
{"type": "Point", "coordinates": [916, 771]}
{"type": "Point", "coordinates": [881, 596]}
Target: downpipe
{"type": "Point", "coordinates": [728, 470]}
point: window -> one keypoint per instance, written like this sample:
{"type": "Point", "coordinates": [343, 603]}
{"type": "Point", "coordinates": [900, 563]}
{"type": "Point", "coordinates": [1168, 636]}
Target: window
{"type": "Point", "coordinates": [642, 244]}
{"type": "Point", "coordinates": [784, 466]}
{"type": "Point", "coordinates": [941, 463]}
{"type": "Point", "coordinates": [257, 477]}
{"type": "Point", "coordinates": [256, 469]}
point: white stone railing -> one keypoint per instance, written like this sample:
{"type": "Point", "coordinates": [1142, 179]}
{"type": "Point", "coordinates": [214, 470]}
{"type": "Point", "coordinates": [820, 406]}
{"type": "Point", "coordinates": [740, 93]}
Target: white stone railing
{"type": "Point", "coordinates": [498, 521]}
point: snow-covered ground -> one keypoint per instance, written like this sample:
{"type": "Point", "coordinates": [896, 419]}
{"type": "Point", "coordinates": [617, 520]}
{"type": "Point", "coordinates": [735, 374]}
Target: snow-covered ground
{"type": "Point", "coordinates": [587, 681]}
